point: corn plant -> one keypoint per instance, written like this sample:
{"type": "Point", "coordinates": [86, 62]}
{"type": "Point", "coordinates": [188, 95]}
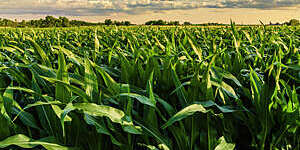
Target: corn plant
{"type": "Point", "coordinates": [150, 88]}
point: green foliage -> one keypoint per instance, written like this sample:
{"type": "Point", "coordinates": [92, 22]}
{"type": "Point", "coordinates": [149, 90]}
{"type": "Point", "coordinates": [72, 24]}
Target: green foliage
{"type": "Point", "coordinates": [160, 88]}
{"type": "Point", "coordinates": [50, 21]}
{"type": "Point", "coordinates": [187, 23]}
{"type": "Point", "coordinates": [293, 22]}
{"type": "Point", "coordinates": [25, 142]}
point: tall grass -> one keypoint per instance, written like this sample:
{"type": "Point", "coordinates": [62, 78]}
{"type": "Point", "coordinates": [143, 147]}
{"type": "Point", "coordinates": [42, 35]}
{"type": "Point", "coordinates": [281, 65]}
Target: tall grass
{"type": "Point", "coordinates": [150, 88]}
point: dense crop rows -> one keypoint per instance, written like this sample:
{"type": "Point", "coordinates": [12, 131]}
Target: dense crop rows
{"type": "Point", "coordinates": [150, 88]}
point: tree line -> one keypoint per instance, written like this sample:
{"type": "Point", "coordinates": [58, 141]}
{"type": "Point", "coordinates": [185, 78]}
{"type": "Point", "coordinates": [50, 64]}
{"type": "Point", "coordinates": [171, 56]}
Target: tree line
{"type": "Point", "coordinates": [162, 22]}
{"type": "Point", "coordinates": [292, 22]}
{"type": "Point", "coordinates": [51, 21]}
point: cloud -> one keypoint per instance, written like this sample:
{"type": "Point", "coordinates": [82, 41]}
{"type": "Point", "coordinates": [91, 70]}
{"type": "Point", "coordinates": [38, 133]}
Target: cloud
{"type": "Point", "coordinates": [259, 3]}
{"type": "Point", "coordinates": [105, 7]}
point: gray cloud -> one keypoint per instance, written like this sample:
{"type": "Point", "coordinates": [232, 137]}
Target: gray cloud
{"type": "Point", "coordinates": [260, 3]}
{"type": "Point", "coordinates": [104, 7]}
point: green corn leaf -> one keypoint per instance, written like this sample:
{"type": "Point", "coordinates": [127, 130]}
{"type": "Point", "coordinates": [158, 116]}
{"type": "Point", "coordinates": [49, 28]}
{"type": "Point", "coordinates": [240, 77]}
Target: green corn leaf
{"type": "Point", "coordinates": [227, 88]}
{"type": "Point", "coordinates": [109, 81]}
{"type": "Point", "coordinates": [72, 88]}
{"type": "Point", "coordinates": [40, 52]}
{"type": "Point", "coordinates": [224, 145]}
{"type": "Point", "coordinates": [223, 109]}
{"type": "Point", "coordinates": [62, 92]}
{"type": "Point", "coordinates": [197, 50]}
{"type": "Point", "coordinates": [143, 99]}
{"type": "Point", "coordinates": [73, 57]}
{"type": "Point", "coordinates": [101, 128]}
{"type": "Point", "coordinates": [26, 142]}
{"type": "Point", "coordinates": [188, 111]}
{"type": "Point", "coordinates": [181, 93]}
{"type": "Point", "coordinates": [97, 44]}
{"type": "Point", "coordinates": [154, 133]}
{"type": "Point", "coordinates": [26, 118]}
{"type": "Point", "coordinates": [40, 103]}
{"type": "Point", "coordinates": [4, 120]}
{"type": "Point", "coordinates": [54, 106]}
{"type": "Point", "coordinates": [91, 82]}
{"type": "Point", "coordinates": [150, 89]}
{"type": "Point", "coordinates": [115, 115]}
{"type": "Point", "coordinates": [58, 111]}
{"type": "Point", "coordinates": [149, 147]}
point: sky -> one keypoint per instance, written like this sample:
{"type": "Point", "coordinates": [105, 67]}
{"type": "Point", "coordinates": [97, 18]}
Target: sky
{"type": "Point", "coordinates": [140, 11]}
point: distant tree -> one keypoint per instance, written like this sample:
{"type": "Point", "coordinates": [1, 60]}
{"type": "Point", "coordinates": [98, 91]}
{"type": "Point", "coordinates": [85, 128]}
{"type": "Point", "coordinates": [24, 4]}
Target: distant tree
{"type": "Point", "coordinates": [108, 22]}
{"type": "Point", "coordinates": [173, 23]}
{"type": "Point", "coordinates": [160, 22]}
{"type": "Point", "coordinates": [64, 21]}
{"type": "Point", "coordinates": [156, 22]}
{"type": "Point", "coordinates": [7, 23]}
{"type": "Point", "coordinates": [187, 23]}
{"type": "Point", "coordinates": [149, 23]}
{"type": "Point", "coordinates": [294, 22]}
{"type": "Point", "coordinates": [127, 23]}
{"type": "Point", "coordinates": [22, 24]}
{"type": "Point", "coordinates": [49, 21]}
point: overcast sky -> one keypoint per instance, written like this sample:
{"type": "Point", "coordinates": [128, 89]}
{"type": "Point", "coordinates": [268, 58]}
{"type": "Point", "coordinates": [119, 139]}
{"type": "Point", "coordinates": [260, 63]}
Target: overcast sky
{"type": "Point", "coordinates": [138, 11]}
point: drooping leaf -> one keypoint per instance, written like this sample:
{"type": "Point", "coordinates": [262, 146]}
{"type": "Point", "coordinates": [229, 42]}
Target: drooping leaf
{"type": "Point", "coordinates": [187, 111]}
{"type": "Point", "coordinates": [26, 142]}
{"type": "Point", "coordinates": [101, 128]}
{"type": "Point", "coordinates": [143, 99]}
{"type": "Point", "coordinates": [72, 88]}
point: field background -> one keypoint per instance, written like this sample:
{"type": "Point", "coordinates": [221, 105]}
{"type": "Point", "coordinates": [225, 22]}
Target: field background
{"type": "Point", "coordinates": [145, 87]}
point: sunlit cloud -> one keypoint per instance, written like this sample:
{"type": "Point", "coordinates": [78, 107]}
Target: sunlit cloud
{"type": "Point", "coordinates": [104, 7]}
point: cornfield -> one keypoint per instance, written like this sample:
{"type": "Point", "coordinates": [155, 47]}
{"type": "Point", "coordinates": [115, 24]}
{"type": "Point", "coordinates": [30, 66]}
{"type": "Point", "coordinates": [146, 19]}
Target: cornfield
{"type": "Point", "coordinates": [156, 88]}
